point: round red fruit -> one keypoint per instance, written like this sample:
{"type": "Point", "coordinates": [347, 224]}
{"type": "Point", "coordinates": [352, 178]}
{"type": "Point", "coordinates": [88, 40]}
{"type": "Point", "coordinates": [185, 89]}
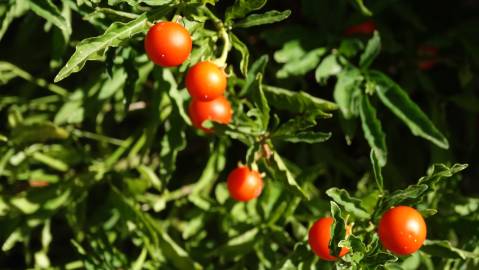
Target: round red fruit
{"type": "Point", "coordinates": [168, 44]}
{"type": "Point", "coordinates": [402, 230]}
{"type": "Point", "coordinates": [217, 110]}
{"type": "Point", "coordinates": [206, 81]}
{"type": "Point", "coordinates": [319, 237]}
{"type": "Point", "coordinates": [244, 184]}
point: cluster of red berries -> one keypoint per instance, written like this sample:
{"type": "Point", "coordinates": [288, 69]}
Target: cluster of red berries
{"type": "Point", "coordinates": [402, 230]}
{"type": "Point", "coordinates": [169, 44]}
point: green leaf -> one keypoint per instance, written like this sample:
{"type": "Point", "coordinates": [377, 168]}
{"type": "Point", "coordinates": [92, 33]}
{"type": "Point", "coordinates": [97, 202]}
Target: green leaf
{"type": "Point", "coordinates": [261, 102]}
{"type": "Point", "coordinates": [347, 93]}
{"type": "Point", "coordinates": [302, 65]}
{"type": "Point", "coordinates": [378, 176]}
{"type": "Point", "coordinates": [241, 8]}
{"type": "Point", "coordinates": [95, 48]}
{"type": "Point", "coordinates": [268, 17]}
{"type": "Point", "coordinates": [47, 10]}
{"type": "Point", "coordinates": [397, 100]}
{"type": "Point", "coordinates": [338, 229]}
{"type": "Point", "coordinates": [290, 51]}
{"type": "Point", "coordinates": [150, 174]}
{"type": "Point", "coordinates": [243, 50]}
{"type": "Point", "coordinates": [350, 204]}
{"type": "Point", "coordinates": [364, 10]}
{"type": "Point", "coordinates": [327, 68]}
{"type": "Point", "coordinates": [440, 171]}
{"type": "Point", "coordinates": [444, 249]}
{"type": "Point", "coordinates": [38, 132]}
{"type": "Point", "coordinates": [15, 10]}
{"type": "Point", "coordinates": [373, 131]}
{"type": "Point", "coordinates": [285, 175]}
{"type": "Point", "coordinates": [298, 102]}
{"type": "Point", "coordinates": [256, 68]}
{"type": "Point", "coordinates": [176, 254]}
{"type": "Point", "coordinates": [305, 137]}
{"type": "Point", "coordinates": [371, 52]}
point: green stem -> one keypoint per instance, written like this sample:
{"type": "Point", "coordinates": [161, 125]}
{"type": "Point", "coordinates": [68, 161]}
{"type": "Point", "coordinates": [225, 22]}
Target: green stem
{"type": "Point", "coordinates": [221, 61]}
{"type": "Point", "coordinates": [97, 137]}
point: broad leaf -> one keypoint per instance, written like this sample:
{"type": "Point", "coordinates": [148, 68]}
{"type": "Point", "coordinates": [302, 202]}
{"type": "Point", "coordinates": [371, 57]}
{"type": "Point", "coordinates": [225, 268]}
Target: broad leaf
{"type": "Point", "coordinates": [298, 102]}
{"type": "Point", "coordinates": [398, 101]}
{"type": "Point", "coordinates": [327, 68]}
{"type": "Point", "coordinates": [302, 65]}
{"type": "Point", "coordinates": [350, 204]}
{"type": "Point", "coordinates": [347, 93]}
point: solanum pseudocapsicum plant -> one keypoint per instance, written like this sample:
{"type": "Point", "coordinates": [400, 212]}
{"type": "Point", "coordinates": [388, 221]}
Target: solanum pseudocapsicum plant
{"type": "Point", "coordinates": [169, 139]}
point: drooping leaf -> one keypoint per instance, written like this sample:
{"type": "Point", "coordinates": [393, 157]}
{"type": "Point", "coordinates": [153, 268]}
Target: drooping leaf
{"type": "Point", "coordinates": [243, 50]}
{"type": "Point", "coordinates": [397, 100]}
{"type": "Point", "coordinates": [373, 131]}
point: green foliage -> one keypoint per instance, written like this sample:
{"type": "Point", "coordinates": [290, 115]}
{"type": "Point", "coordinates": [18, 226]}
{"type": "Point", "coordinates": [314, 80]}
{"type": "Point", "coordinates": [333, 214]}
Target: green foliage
{"type": "Point", "coordinates": [101, 168]}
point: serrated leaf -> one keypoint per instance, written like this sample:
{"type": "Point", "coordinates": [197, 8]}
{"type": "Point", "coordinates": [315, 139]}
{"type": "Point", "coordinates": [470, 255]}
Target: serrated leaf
{"type": "Point", "coordinates": [302, 65]}
{"type": "Point", "coordinates": [373, 131]}
{"type": "Point", "coordinates": [298, 102]}
{"type": "Point", "coordinates": [439, 171]}
{"type": "Point", "coordinates": [243, 50]}
{"type": "Point", "coordinates": [327, 68]}
{"type": "Point", "coordinates": [241, 8]}
{"type": "Point", "coordinates": [268, 17]}
{"type": "Point", "coordinates": [398, 101]}
{"type": "Point", "coordinates": [94, 48]}
{"type": "Point", "coordinates": [371, 52]}
{"type": "Point", "coordinates": [350, 204]}
{"type": "Point", "coordinates": [347, 93]}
